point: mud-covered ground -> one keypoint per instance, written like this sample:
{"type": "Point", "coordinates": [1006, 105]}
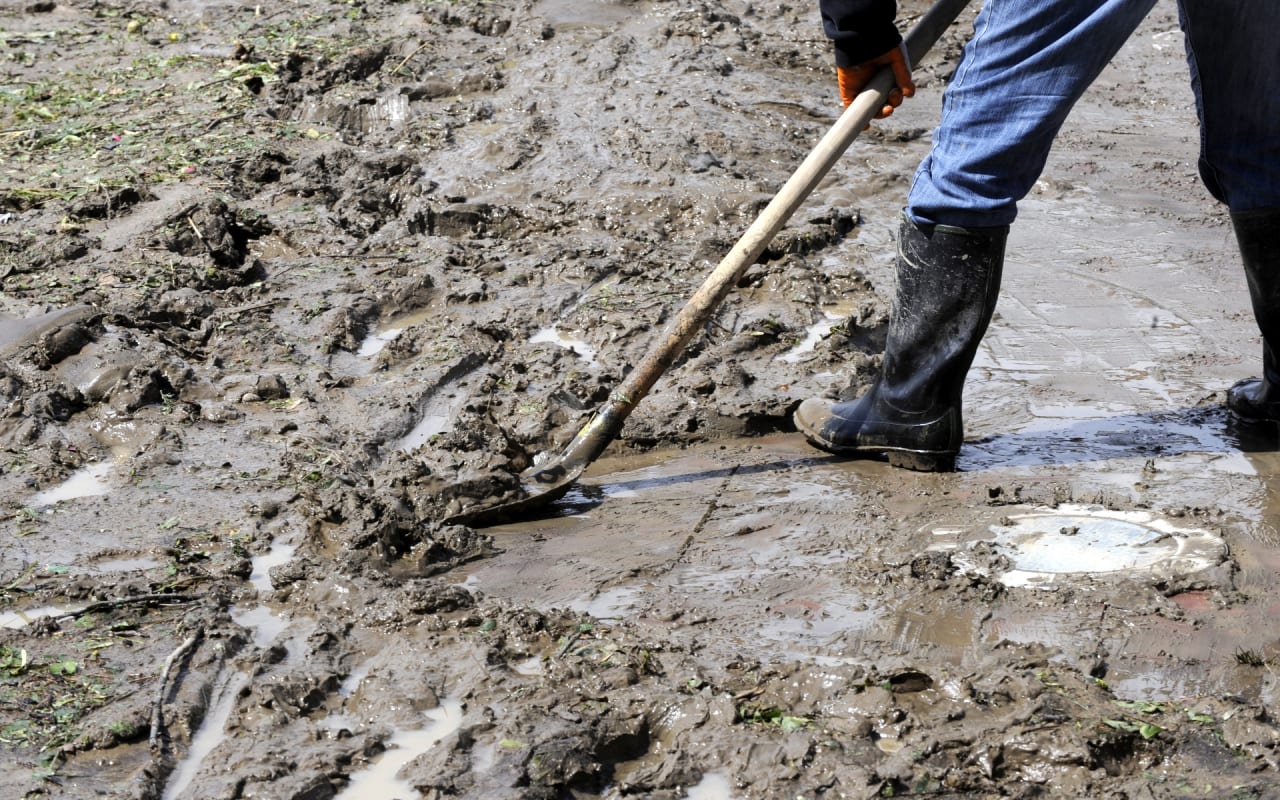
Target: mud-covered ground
{"type": "Point", "coordinates": [285, 286]}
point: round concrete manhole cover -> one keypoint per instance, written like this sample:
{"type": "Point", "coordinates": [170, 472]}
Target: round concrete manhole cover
{"type": "Point", "coordinates": [1042, 547]}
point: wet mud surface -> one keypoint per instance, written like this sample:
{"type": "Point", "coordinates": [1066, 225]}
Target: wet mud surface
{"type": "Point", "coordinates": [284, 288]}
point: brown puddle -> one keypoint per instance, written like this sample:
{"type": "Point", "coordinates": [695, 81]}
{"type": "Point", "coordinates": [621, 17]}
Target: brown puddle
{"type": "Point", "coordinates": [212, 732]}
{"type": "Point", "coordinates": [88, 481]}
{"type": "Point", "coordinates": [266, 623]}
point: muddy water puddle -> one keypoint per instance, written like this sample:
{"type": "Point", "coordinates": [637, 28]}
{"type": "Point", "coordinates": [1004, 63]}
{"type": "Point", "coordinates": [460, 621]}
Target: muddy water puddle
{"type": "Point", "coordinates": [88, 481]}
{"type": "Point", "coordinates": [121, 438]}
{"type": "Point", "coordinates": [19, 618]}
{"type": "Point", "coordinates": [380, 778]}
{"type": "Point", "coordinates": [266, 623]}
{"type": "Point", "coordinates": [832, 316]}
{"type": "Point", "coordinates": [435, 410]}
{"type": "Point", "coordinates": [268, 627]}
{"type": "Point", "coordinates": [435, 418]}
{"type": "Point", "coordinates": [592, 13]}
{"type": "Point", "coordinates": [1045, 547]}
{"type": "Point", "coordinates": [713, 786]}
{"type": "Point", "coordinates": [15, 620]}
{"type": "Point", "coordinates": [222, 700]}
{"type": "Point", "coordinates": [390, 331]}
{"type": "Point", "coordinates": [554, 335]}
{"type": "Point", "coordinates": [701, 546]}
{"type": "Point", "coordinates": [770, 532]}
{"type": "Point", "coordinates": [1078, 341]}
{"type": "Point", "coordinates": [281, 553]}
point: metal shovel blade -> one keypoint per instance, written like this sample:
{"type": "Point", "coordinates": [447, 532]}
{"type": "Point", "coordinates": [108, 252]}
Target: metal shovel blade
{"type": "Point", "coordinates": [545, 483]}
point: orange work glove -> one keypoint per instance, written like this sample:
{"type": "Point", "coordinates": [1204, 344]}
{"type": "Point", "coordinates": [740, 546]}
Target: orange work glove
{"type": "Point", "coordinates": [854, 79]}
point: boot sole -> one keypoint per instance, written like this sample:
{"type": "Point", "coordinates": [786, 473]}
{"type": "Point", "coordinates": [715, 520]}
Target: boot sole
{"type": "Point", "coordinates": [916, 460]}
{"type": "Point", "coordinates": [922, 462]}
{"type": "Point", "coordinates": [1255, 433]}
{"type": "Point", "coordinates": [1259, 423]}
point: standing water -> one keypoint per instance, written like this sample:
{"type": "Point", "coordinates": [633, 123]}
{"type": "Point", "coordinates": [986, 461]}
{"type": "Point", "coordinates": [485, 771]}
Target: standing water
{"type": "Point", "coordinates": [221, 703]}
{"type": "Point", "coordinates": [381, 778]}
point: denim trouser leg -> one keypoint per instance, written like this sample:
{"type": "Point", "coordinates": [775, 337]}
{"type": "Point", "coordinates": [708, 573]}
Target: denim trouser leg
{"type": "Point", "coordinates": [1026, 65]}
{"type": "Point", "coordinates": [1233, 47]}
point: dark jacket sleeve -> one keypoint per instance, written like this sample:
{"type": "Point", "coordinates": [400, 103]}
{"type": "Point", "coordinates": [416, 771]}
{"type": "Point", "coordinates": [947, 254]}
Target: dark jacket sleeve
{"type": "Point", "coordinates": [861, 29]}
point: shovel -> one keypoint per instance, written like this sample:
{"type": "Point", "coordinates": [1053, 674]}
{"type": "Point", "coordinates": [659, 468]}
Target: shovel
{"type": "Point", "coordinates": [553, 477]}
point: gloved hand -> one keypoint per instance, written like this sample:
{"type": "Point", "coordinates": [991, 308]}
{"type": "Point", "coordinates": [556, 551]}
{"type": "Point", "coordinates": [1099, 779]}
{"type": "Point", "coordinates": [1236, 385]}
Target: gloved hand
{"type": "Point", "coordinates": [854, 79]}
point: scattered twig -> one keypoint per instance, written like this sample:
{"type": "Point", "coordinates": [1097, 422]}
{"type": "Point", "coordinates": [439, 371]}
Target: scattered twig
{"type": "Point", "coordinates": [142, 599]}
{"type": "Point", "coordinates": [215, 82]}
{"type": "Point", "coordinates": [218, 121]}
{"type": "Point", "coordinates": [157, 710]}
{"type": "Point", "coordinates": [257, 12]}
{"type": "Point", "coordinates": [199, 235]}
{"type": "Point", "coordinates": [570, 642]}
{"type": "Point", "coordinates": [231, 312]}
{"type": "Point", "coordinates": [416, 50]}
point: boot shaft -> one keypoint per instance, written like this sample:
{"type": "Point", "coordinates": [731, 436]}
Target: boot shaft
{"type": "Point", "coordinates": [1258, 235]}
{"type": "Point", "coordinates": [948, 283]}
{"type": "Point", "coordinates": [948, 280]}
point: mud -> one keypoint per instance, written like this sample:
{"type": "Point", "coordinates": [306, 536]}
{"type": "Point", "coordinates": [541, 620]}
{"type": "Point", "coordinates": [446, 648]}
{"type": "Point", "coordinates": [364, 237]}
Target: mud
{"type": "Point", "coordinates": [282, 288]}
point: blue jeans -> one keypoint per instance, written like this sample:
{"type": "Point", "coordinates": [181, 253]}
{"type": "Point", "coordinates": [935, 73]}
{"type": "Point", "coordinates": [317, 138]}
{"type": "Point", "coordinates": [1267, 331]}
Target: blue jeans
{"type": "Point", "coordinates": [1029, 61]}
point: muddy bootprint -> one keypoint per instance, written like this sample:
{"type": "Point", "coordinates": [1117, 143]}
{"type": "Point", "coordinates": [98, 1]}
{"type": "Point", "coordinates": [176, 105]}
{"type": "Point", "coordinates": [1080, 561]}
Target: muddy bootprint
{"type": "Point", "coordinates": [275, 299]}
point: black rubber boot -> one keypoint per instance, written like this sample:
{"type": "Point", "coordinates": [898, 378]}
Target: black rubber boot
{"type": "Point", "coordinates": [948, 281]}
{"type": "Point", "coordinates": [1257, 401]}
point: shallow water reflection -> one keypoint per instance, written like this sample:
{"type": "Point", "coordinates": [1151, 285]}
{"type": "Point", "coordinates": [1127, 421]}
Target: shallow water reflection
{"type": "Point", "coordinates": [381, 778]}
{"type": "Point", "coordinates": [554, 335]}
{"type": "Point", "coordinates": [88, 481]}
{"type": "Point", "coordinates": [15, 620]}
{"type": "Point", "coordinates": [713, 786]}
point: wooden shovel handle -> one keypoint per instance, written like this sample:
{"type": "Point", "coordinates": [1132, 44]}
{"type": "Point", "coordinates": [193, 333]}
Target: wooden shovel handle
{"type": "Point", "coordinates": [815, 166]}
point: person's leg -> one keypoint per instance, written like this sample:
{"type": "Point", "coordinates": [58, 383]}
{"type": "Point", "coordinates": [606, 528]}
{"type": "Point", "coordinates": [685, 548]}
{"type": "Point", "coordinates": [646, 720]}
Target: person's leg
{"type": "Point", "coordinates": [1233, 50]}
{"type": "Point", "coordinates": [1027, 63]}
{"type": "Point", "coordinates": [1235, 73]}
